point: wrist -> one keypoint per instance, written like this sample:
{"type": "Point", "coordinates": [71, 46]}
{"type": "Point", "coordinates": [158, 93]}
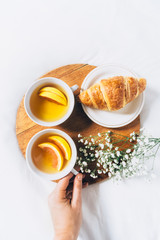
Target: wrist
{"type": "Point", "coordinates": [66, 236]}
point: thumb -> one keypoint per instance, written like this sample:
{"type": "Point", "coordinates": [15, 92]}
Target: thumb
{"type": "Point", "coordinates": [77, 191]}
{"type": "Point", "coordinates": [62, 186]}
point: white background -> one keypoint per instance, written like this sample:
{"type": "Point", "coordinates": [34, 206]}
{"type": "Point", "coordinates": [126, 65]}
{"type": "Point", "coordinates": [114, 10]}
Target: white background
{"type": "Point", "coordinates": [39, 35]}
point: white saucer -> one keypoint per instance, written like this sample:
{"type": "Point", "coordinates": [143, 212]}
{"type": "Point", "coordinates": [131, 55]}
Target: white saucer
{"type": "Point", "coordinates": [118, 118]}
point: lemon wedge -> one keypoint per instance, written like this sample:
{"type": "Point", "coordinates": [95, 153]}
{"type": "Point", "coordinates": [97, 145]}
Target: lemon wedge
{"type": "Point", "coordinates": [56, 152]}
{"type": "Point", "coordinates": [53, 90]}
{"type": "Point", "coordinates": [53, 97]}
{"type": "Point", "coordinates": [63, 145]}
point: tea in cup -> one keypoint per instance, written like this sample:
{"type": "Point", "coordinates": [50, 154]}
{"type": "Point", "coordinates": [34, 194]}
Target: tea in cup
{"type": "Point", "coordinates": [49, 101]}
{"type": "Point", "coordinates": [51, 153]}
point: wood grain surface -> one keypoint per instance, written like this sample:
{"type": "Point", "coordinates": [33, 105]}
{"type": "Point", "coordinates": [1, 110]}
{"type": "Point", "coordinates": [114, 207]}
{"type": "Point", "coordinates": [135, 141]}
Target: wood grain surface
{"type": "Point", "coordinates": [78, 121]}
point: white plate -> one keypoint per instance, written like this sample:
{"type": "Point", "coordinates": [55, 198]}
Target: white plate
{"type": "Point", "coordinates": [118, 118]}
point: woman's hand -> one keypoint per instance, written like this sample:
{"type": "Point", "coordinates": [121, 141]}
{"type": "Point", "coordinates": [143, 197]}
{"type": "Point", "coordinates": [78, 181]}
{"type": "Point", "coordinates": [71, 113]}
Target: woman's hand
{"type": "Point", "coordinates": [66, 208]}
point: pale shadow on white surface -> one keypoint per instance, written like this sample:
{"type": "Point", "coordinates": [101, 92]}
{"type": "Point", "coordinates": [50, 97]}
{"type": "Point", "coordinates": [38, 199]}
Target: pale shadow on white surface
{"type": "Point", "coordinates": [93, 220]}
{"type": "Point", "coordinates": [151, 97]}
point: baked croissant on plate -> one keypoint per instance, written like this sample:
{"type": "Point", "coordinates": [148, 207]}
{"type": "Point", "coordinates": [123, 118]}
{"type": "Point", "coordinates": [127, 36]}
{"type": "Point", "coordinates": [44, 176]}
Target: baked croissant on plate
{"type": "Point", "coordinates": [113, 93]}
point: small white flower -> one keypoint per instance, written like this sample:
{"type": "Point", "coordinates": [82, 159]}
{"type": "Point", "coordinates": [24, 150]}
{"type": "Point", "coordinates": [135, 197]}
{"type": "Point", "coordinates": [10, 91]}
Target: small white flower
{"type": "Point", "coordinates": [132, 134]}
{"type": "Point", "coordinates": [79, 135]}
{"type": "Point", "coordinates": [134, 138]}
{"type": "Point", "coordinates": [116, 148]}
{"type": "Point", "coordinates": [91, 148]}
{"type": "Point", "coordinates": [126, 156]}
{"type": "Point", "coordinates": [110, 146]}
{"type": "Point", "coordinates": [89, 143]}
{"type": "Point", "coordinates": [104, 171]}
{"type": "Point", "coordinates": [109, 175]}
{"type": "Point", "coordinates": [115, 165]}
{"type": "Point", "coordinates": [118, 153]}
{"type": "Point", "coordinates": [95, 176]}
{"type": "Point", "coordinates": [116, 161]}
{"type": "Point", "coordinates": [84, 150]}
{"type": "Point", "coordinates": [81, 140]}
{"type": "Point", "coordinates": [99, 171]}
{"type": "Point", "coordinates": [101, 145]}
{"type": "Point", "coordinates": [98, 165]}
{"type": "Point", "coordinates": [123, 164]}
{"type": "Point", "coordinates": [130, 140]}
{"type": "Point", "coordinates": [86, 142]}
{"type": "Point", "coordinates": [99, 134]}
{"type": "Point", "coordinates": [109, 164]}
{"type": "Point", "coordinates": [80, 149]}
{"type": "Point", "coordinates": [86, 154]}
{"type": "Point", "coordinates": [112, 155]}
{"type": "Point", "coordinates": [128, 150]}
{"type": "Point", "coordinates": [104, 165]}
{"type": "Point", "coordinates": [84, 163]}
{"type": "Point", "coordinates": [112, 170]}
{"type": "Point", "coordinates": [92, 140]}
{"type": "Point", "coordinates": [82, 170]}
{"type": "Point", "coordinates": [101, 152]}
{"type": "Point", "coordinates": [97, 155]}
{"type": "Point", "coordinates": [107, 144]}
{"type": "Point", "coordinates": [92, 175]}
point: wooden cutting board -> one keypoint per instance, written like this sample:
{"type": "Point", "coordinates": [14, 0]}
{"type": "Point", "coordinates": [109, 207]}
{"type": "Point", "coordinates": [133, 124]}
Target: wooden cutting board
{"type": "Point", "coordinates": [78, 121]}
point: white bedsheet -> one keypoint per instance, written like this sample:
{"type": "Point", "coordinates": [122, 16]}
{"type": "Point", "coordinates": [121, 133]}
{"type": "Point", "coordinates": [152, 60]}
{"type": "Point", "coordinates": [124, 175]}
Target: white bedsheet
{"type": "Point", "coordinates": [37, 36]}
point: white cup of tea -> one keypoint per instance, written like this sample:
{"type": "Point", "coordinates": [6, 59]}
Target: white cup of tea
{"type": "Point", "coordinates": [43, 82]}
{"type": "Point", "coordinates": [62, 173]}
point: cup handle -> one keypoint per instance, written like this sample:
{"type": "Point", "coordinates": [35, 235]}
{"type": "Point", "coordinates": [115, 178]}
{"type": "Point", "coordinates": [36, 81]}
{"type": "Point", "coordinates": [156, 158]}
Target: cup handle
{"type": "Point", "coordinates": [74, 171]}
{"type": "Point", "coordinates": [74, 87]}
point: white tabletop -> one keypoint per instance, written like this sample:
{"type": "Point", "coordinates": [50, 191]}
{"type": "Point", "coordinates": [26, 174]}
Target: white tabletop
{"type": "Point", "coordinates": [37, 36]}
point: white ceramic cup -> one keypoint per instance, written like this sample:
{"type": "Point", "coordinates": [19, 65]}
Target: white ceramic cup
{"type": "Point", "coordinates": [52, 176]}
{"type": "Point", "coordinates": [43, 82]}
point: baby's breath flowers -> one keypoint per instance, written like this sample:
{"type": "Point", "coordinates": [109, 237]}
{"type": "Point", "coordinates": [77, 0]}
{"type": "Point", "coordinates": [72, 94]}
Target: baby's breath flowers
{"type": "Point", "coordinates": [116, 155]}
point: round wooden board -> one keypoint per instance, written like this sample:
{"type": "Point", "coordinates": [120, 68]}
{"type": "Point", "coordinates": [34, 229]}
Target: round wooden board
{"type": "Point", "coordinates": [78, 121]}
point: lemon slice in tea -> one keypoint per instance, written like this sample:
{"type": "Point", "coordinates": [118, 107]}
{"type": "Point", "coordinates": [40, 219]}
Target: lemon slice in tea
{"type": "Point", "coordinates": [63, 145]}
{"type": "Point", "coordinates": [57, 160]}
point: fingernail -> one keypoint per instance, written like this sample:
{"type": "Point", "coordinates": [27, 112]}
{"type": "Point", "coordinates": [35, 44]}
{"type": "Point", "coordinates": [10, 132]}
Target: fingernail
{"type": "Point", "coordinates": [80, 177]}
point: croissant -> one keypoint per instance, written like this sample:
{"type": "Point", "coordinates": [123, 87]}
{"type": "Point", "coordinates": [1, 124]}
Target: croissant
{"type": "Point", "coordinates": [113, 93]}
